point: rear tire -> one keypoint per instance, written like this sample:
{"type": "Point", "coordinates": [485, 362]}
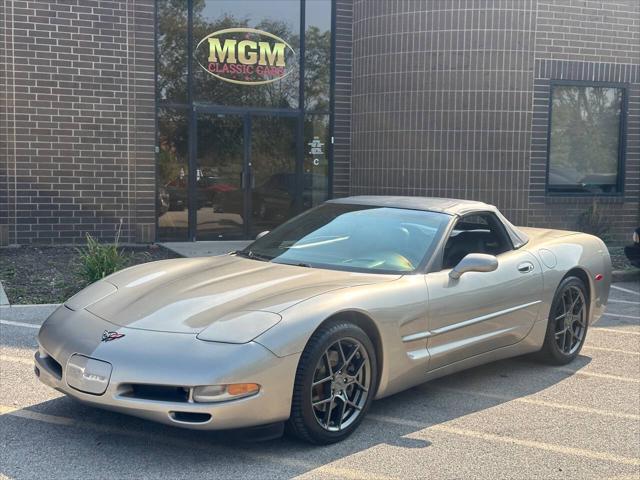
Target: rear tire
{"type": "Point", "coordinates": [568, 323]}
{"type": "Point", "coordinates": [335, 384]}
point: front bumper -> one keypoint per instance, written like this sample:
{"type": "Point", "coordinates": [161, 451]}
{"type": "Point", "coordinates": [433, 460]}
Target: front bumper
{"type": "Point", "coordinates": [175, 361]}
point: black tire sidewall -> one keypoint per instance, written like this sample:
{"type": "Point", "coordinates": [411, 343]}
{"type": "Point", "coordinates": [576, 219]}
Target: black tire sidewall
{"type": "Point", "coordinates": [325, 338]}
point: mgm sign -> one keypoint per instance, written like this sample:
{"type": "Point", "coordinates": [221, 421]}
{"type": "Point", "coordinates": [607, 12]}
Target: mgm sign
{"type": "Point", "coordinates": [245, 56]}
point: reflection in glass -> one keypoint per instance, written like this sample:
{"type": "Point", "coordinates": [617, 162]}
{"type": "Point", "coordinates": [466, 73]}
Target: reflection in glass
{"type": "Point", "coordinates": [316, 160]}
{"type": "Point", "coordinates": [584, 139]}
{"type": "Point", "coordinates": [273, 160]}
{"type": "Point", "coordinates": [317, 61]}
{"type": "Point", "coordinates": [171, 81]}
{"type": "Point", "coordinates": [219, 189]}
{"type": "Point", "coordinates": [277, 17]}
{"type": "Point", "coordinates": [173, 174]}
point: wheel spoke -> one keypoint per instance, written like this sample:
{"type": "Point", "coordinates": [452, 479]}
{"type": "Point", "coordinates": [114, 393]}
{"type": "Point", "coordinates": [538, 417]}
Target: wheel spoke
{"type": "Point", "coordinates": [326, 355]}
{"type": "Point", "coordinates": [351, 355]}
{"type": "Point", "coordinates": [321, 381]}
{"type": "Point", "coordinates": [322, 402]}
{"type": "Point", "coordinates": [344, 407]}
{"type": "Point", "coordinates": [328, 419]}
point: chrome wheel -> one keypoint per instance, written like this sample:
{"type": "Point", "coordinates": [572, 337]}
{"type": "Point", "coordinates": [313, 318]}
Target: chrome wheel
{"type": "Point", "coordinates": [341, 383]}
{"type": "Point", "coordinates": [570, 320]}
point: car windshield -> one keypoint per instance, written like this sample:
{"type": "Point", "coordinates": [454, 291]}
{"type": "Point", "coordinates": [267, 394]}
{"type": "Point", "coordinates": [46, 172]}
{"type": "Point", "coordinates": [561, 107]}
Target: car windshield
{"type": "Point", "coordinates": [353, 237]}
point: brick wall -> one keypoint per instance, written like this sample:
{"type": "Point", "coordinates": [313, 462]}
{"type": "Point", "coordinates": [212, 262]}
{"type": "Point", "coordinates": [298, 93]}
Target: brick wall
{"type": "Point", "coordinates": [342, 107]}
{"type": "Point", "coordinates": [450, 98]}
{"type": "Point", "coordinates": [591, 41]}
{"type": "Point", "coordinates": [78, 120]}
{"type": "Point", "coordinates": [442, 100]}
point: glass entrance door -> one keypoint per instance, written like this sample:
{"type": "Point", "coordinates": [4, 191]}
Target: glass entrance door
{"type": "Point", "coordinates": [246, 180]}
{"type": "Point", "coordinates": [220, 194]}
{"type": "Point", "coordinates": [273, 171]}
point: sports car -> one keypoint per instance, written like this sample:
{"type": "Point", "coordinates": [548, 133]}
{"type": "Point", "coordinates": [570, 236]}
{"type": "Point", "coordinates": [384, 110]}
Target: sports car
{"type": "Point", "coordinates": [356, 299]}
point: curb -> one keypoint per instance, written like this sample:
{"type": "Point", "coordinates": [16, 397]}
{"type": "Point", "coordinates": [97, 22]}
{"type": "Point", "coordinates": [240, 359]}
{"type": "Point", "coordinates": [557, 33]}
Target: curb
{"type": "Point", "coordinates": [625, 275]}
{"type": "Point", "coordinates": [4, 300]}
{"type": "Point", "coordinates": [27, 313]}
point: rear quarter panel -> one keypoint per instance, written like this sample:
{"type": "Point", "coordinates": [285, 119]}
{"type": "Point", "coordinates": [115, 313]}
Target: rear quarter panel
{"type": "Point", "coordinates": [559, 254]}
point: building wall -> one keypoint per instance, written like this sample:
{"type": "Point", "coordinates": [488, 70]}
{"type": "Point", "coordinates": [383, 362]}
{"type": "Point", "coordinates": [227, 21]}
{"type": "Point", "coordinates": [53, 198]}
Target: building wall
{"type": "Point", "coordinates": [442, 100]}
{"type": "Point", "coordinates": [587, 41]}
{"type": "Point", "coordinates": [78, 121]}
{"type": "Point", "coordinates": [451, 99]}
{"type": "Point", "coordinates": [342, 97]}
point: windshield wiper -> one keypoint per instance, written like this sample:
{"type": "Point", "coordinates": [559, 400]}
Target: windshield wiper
{"type": "Point", "coordinates": [252, 255]}
{"type": "Point", "coordinates": [301, 264]}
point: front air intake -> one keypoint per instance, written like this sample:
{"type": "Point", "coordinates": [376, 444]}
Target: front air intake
{"type": "Point", "coordinates": [190, 417]}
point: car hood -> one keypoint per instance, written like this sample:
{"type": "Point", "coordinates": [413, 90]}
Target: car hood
{"type": "Point", "coordinates": [189, 295]}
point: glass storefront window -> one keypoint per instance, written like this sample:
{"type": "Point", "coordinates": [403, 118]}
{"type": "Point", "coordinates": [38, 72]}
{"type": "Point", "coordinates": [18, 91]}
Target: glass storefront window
{"type": "Point", "coordinates": [317, 61]}
{"type": "Point", "coordinates": [172, 52]}
{"type": "Point", "coordinates": [584, 136]}
{"type": "Point", "coordinates": [243, 142]}
{"type": "Point", "coordinates": [316, 160]}
{"type": "Point", "coordinates": [247, 52]}
{"type": "Point", "coordinates": [172, 174]}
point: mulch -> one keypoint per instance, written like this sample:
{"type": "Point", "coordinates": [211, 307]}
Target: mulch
{"type": "Point", "coordinates": [32, 275]}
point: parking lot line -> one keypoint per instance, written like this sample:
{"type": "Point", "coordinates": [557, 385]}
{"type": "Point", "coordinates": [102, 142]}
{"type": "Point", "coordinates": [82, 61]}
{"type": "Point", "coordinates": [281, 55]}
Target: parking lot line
{"type": "Point", "coordinates": [613, 350]}
{"type": "Point", "coordinates": [615, 287]}
{"type": "Point", "coordinates": [19, 324]}
{"type": "Point", "coordinates": [560, 449]}
{"type": "Point", "coordinates": [612, 300]}
{"type": "Point", "coordinates": [614, 330]}
{"type": "Point", "coordinates": [633, 317]}
{"type": "Point", "coordinates": [599, 375]}
{"type": "Point", "coordinates": [541, 403]}
{"type": "Point", "coordinates": [327, 469]}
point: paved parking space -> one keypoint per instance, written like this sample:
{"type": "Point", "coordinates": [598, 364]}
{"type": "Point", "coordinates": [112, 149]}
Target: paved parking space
{"type": "Point", "coordinates": [509, 419]}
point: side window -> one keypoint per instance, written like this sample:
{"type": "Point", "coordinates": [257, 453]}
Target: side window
{"type": "Point", "coordinates": [475, 233]}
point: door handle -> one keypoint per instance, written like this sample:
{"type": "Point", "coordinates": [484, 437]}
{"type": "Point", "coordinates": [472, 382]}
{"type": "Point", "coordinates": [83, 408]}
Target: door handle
{"type": "Point", "coordinates": [525, 267]}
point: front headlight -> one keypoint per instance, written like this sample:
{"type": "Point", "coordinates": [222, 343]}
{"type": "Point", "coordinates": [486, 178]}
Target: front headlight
{"type": "Point", "coordinates": [221, 393]}
{"type": "Point", "coordinates": [90, 295]}
{"type": "Point", "coordinates": [636, 237]}
{"type": "Point", "coordinates": [239, 327]}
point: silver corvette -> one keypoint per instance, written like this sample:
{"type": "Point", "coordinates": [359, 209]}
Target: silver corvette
{"type": "Point", "coordinates": [353, 300]}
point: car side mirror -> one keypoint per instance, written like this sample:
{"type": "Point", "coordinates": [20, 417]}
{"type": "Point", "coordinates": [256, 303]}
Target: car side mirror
{"type": "Point", "coordinates": [261, 234]}
{"type": "Point", "coordinates": [474, 262]}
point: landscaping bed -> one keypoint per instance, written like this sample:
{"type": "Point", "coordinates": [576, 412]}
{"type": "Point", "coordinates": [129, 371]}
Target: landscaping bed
{"type": "Point", "coordinates": [51, 274]}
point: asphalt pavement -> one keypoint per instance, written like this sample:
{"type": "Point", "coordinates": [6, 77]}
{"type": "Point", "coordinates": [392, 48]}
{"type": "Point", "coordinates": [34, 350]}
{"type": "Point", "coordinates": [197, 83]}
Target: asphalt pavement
{"type": "Point", "coordinates": [509, 419]}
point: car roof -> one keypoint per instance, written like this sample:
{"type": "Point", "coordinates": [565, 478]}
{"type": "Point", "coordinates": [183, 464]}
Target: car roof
{"type": "Point", "coordinates": [451, 206]}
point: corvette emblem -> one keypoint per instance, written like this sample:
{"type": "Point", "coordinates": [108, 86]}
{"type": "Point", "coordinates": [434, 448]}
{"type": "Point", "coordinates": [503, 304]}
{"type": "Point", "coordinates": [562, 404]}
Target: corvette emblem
{"type": "Point", "coordinates": [107, 336]}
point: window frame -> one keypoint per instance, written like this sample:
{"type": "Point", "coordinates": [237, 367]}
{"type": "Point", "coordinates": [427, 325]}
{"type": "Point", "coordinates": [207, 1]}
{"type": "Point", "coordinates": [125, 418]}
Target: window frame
{"type": "Point", "coordinates": [622, 137]}
{"type": "Point", "coordinates": [437, 264]}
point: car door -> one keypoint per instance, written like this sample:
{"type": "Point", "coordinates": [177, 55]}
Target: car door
{"type": "Point", "coordinates": [482, 311]}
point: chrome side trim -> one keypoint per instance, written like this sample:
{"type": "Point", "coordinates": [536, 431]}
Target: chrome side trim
{"type": "Point", "coordinates": [416, 336]}
{"type": "Point", "coordinates": [489, 316]}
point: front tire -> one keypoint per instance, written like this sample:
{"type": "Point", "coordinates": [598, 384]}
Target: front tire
{"type": "Point", "coordinates": [568, 323]}
{"type": "Point", "coordinates": [335, 383]}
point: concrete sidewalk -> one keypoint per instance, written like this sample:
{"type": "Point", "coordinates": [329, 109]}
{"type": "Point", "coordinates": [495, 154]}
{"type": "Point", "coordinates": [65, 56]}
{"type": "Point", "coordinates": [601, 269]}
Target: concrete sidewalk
{"type": "Point", "coordinates": [205, 249]}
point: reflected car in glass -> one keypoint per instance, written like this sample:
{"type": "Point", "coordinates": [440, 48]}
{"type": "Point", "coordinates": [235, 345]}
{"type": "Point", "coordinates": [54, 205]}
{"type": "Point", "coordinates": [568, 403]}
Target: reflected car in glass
{"type": "Point", "coordinates": [354, 300]}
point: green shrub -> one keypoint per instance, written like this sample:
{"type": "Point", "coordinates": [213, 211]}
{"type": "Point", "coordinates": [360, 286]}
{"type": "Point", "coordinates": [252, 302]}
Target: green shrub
{"type": "Point", "coordinates": [594, 222]}
{"type": "Point", "coordinates": [98, 260]}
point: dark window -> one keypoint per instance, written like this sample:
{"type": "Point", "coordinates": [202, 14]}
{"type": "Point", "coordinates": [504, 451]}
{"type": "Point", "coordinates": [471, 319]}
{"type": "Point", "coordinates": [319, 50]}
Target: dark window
{"type": "Point", "coordinates": [231, 70]}
{"type": "Point", "coordinates": [172, 51]}
{"type": "Point", "coordinates": [585, 139]}
{"type": "Point", "coordinates": [477, 233]}
{"type": "Point", "coordinates": [317, 64]}
{"type": "Point", "coordinates": [172, 174]}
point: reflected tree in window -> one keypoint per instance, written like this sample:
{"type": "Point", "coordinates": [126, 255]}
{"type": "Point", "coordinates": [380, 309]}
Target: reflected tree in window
{"type": "Point", "coordinates": [584, 138]}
